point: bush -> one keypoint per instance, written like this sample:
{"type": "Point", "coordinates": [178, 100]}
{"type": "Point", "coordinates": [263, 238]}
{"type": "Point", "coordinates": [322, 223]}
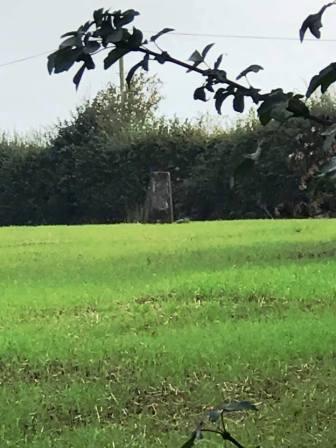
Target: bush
{"type": "Point", "coordinates": [91, 171]}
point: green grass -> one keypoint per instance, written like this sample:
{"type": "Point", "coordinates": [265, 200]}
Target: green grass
{"type": "Point", "coordinates": [121, 336]}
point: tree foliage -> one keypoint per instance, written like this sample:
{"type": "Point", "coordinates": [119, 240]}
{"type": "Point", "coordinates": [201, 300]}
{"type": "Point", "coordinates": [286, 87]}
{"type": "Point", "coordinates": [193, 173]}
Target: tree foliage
{"type": "Point", "coordinates": [109, 31]}
{"type": "Point", "coordinates": [123, 115]}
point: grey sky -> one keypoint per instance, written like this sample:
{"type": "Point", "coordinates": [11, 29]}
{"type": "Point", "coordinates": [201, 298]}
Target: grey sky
{"type": "Point", "coordinates": [31, 99]}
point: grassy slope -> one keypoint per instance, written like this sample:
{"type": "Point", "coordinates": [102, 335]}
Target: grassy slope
{"type": "Point", "coordinates": [118, 336]}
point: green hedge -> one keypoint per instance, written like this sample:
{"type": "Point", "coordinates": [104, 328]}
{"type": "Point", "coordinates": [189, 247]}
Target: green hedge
{"type": "Point", "coordinates": [83, 175]}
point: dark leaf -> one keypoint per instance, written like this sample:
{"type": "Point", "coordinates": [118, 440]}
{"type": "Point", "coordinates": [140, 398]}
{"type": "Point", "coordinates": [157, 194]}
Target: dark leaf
{"type": "Point", "coordinates": [78, 76]}
{"type": "Point", "coordinates": [88, 61]}
{"type": "Point", "coordinates": [298, 107]}
{"type": "Point", "coordinates": [132, 72]}
{"type": "Point", "coordinates": [125, 18]}
{"type": "Point", "coordinates": [241, 405]}
{"type": "Point", "coordinates": [136, 39]}
{"type": "Point", "coordinates": [131, 13]}
{"type": "Point", "coordinates": [220, 97]}
{"type": "Point", "coordinates": [104, 31]}
{"type": "Point", "coordinates": [69, 34]}
{"type": "Point", "coordinates": [84, 28]}
{"type": "Point", "coordinates": [145, 63]}
{"type": "Point", "coordinates": [206, 51]}
{"type": "Point", "coordinates": [239, 102]}
{"type": "Point", "coordinates": [324, 79]}
{"type": "Point", "coordinates": [313, 23]}
{"type": "Point", "coordinates": [252, 68]}
{"type": "Point", "coordinates": [91, 46]}
{"type": "Point", "coordinates": [74, 41]}
{"type": "Point", "coordinates": [221, 75]}
{"type": "Point", "coordinates": [255, 95]}
{"type": "Point", "coordinates": [209, 87]}
{"type": "Point", "coordinates": [51, 63]}
{"type": "Point", "coordinates": [218, 62]}
{"type": "Point", "coordinates": [114, 56]}
{"type": "Point", "coordinates": [274, 99]}
{"type": "Point", "coordinates": [264, 113]}
{"type": "Point", "coordinates": [199, 94]}
{"type": "Point", "coordinates": [63, 59]}
{"type": "Point", "coordinates": [196, 57]}
{"type": "Point", "coordinates": [87, 38]}
{"type": "Point", "coordinates": [98, 16]}
{"type": "Point", "coordinates": [115, 36]}
{"type": "Point", "coordinates": [161, 33]}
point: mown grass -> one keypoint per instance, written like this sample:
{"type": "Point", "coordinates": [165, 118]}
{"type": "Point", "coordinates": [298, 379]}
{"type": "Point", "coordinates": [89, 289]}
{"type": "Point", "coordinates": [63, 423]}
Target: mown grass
{"type": "Point", "coordinates": [121, 336]}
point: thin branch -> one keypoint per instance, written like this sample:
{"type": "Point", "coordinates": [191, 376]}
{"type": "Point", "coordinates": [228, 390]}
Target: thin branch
{"type": "Point", "coordinates": [223, 423]}
{"type": "Point", "coordinates": [248, 91]}
{"type": "Point", "coordinates": [130, 43]}
{"type": "Point", "coordinates": [204, 72]}
{"type": "Point", "coordinates": [213, 431]}
{"type": "Point", "coordinates": [227, 436]}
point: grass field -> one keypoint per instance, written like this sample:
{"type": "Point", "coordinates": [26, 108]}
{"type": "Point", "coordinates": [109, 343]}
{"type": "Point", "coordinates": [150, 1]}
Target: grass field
{"type": "Point", "coordinates": [121, 336]}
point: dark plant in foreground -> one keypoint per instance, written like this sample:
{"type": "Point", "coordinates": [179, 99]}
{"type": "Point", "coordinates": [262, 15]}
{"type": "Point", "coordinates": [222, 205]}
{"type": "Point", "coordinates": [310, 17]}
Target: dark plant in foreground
{"type": "Point", "coordinates": [216, 416]}
{"type": "Point", "coordinates": [110, 32]}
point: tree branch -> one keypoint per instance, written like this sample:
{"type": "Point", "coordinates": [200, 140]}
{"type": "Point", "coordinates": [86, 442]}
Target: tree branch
{"type": "Point", "coordinates": [81, 45]}
{"type": "Point", "coordinates": [249, 91]}
{"type": "Point", "coordinates": [227, 436]}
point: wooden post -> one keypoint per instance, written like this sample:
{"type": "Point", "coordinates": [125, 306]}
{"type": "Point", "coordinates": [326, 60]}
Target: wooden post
{"type": "Point", "coordinates": [122, 75]}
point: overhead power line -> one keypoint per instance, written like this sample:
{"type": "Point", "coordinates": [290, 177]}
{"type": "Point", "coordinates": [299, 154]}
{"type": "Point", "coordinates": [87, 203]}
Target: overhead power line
{"type": "Point", "coordinates": [181, 34]}
{"type": "Point", "coordinates": [34, 56]}
{"type": "Point", "coordinates": [245, 37]}
{"type": "Point", "coordinates": [27, 58]}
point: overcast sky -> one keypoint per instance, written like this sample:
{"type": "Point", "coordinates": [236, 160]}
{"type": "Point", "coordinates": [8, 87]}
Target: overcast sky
{"type": "Point", "coordinates": [31, 99]}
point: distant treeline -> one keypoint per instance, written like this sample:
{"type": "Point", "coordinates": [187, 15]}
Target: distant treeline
{"type": "Point", "coordinates": [95, 168]}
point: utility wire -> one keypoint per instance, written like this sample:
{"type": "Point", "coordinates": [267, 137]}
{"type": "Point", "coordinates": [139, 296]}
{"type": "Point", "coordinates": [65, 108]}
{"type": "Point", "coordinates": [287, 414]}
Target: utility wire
{"type": "Point", "coordinates": [27, 58]}
{"type": "Point", "coordinates": [34, 56]}
{"type": "Point", "coordinates": [245, 36]}
{"type": "Point", "coordinates": [30, 58]}
{"type": "Point", "coordinates": [175, 33]}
